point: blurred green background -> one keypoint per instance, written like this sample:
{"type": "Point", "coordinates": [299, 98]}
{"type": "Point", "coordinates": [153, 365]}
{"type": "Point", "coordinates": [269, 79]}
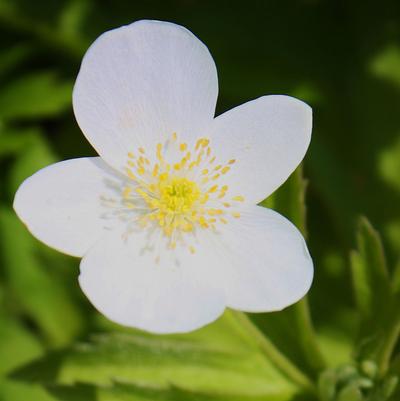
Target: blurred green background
{"type": "Point", "coordinates": [342, 57]}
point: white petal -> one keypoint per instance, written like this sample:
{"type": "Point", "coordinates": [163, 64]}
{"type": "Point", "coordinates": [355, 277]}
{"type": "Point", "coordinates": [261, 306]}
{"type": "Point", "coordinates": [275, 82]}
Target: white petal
{"type": "Point", "coordinates": [126, 283]}
{"type": "Point", "coordinates": [265, 261]}
{"type": "Point", "coordinates": [268, 137]}
{"type": "Point", "coordinates": [61, 205]}
{"type": "Point", "coordinates": [140, 83]}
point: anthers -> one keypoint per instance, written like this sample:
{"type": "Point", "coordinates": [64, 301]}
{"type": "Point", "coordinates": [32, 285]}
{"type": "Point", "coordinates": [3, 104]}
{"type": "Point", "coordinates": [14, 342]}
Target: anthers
{"type": "Point", "coordinates": [180, 191]}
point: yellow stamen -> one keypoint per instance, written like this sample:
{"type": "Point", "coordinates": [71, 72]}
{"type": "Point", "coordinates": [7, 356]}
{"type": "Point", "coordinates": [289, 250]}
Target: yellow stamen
{"type": "Point", "coordinates": [126, 192]}
{"type": "Point", "coordinates": [130, 174]}
{"type": "Point", "coordinates": [168, 194]}
{"type": "Point", "coordinates": [155, 170]}
{"type": "Point", "coordinates": [205, 143]}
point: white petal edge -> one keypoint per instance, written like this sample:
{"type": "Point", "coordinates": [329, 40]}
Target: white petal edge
{"type": "Point", "coordinates": [268, 137]}
{"type": "Point", "coordinates": [139, 84]}
{"type": "Point", "coordinates": [264, 262]}
{"type": "Point", "coordinates": [60, 204]}
{"type": "Point", "coordinates": [125, 283]}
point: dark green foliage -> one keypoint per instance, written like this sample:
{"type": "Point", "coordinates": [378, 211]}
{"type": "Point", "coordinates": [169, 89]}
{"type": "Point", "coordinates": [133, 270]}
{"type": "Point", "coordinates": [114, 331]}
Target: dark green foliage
{"type": "Point", "coordinates": [343, 58]}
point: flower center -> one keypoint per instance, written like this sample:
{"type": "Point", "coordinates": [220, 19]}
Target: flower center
{"type": "Point", "coordinates": [180, 192]}
{"type": "Point", "coordinates": [177, 195]}
{"type": "Point", "coordinates": [173, 203]}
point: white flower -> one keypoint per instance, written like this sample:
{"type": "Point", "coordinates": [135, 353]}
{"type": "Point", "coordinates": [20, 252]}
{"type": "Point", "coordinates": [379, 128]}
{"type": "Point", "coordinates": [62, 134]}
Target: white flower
{"type": "Point", "coordinates": [166, 219]}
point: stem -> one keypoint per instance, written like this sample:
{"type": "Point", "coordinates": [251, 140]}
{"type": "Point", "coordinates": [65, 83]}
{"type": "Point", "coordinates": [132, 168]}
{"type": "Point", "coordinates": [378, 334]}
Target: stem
{"type": "Point", "coordinates": [302, 314]}
{"type": "Point", "coordinates": [273, 354]}
{"type": "Point", "coordinates": [307, 337]}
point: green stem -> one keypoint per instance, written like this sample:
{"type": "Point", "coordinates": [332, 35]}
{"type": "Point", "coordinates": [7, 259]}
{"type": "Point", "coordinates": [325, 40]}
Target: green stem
{"type": "Point", "coordinates": [273, 354]}
{"type": "Point", "coordinates": [302, 314]}
{"type": "Point", "coordinates": [307, 336]}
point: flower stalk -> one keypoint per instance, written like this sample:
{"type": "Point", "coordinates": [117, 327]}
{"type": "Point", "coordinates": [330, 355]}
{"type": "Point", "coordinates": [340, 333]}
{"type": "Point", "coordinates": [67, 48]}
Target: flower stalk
{"type": "Point", "coordinates": [271, 352]}
{"type": "Point", "coordinates": [291, 203]}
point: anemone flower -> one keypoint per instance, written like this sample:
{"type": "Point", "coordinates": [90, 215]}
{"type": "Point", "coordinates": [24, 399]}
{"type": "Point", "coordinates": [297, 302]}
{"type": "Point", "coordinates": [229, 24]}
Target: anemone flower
{"type": "Point", "coordinates": [166, 219]}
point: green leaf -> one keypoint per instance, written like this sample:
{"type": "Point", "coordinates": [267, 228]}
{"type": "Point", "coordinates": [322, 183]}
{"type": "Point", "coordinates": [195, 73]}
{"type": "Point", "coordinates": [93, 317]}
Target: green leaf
{"type": "Point", "coordinates": [327, 385]}
{"type": "Point", "coordinates": [14, 391]}
{"type": "Point", "coordinates": [13, 141]}
{"type": "Point", "coordinates": [370, 275]}
{"type": "Point", "coordinates": [17, 345]}
{"type": "Point", "coordinates": [350, 393]}
{"type": "Point", "coordinates": [36, 155]}
{"type": "Point", "coordinates": [129, 392]}
{"type": "Point", "coordinates": [388, 387]}
{"type": "Point", "coordinates": [386, 64]}
{"type": "Point", "coordinates": [389, 165]}
{"type": "Point", "coordinates": [396, 278]}
{"type": "Point", "coordinates": [13, 16]}
{"type": "Point", "coordinates": [73, 16]}
{"type": "Point", "coordinates": [38, 293]}
{"type": "Point", "coordinates": [392, 234]}
{"type": "Point", "coordinates": [36, 95]}
{"type": "Point", "coordinates": [13, 56]}
{"type": "Point", "coordinates": [198, 363]}
{"type": "Point", "coordinates": [375, 297]}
